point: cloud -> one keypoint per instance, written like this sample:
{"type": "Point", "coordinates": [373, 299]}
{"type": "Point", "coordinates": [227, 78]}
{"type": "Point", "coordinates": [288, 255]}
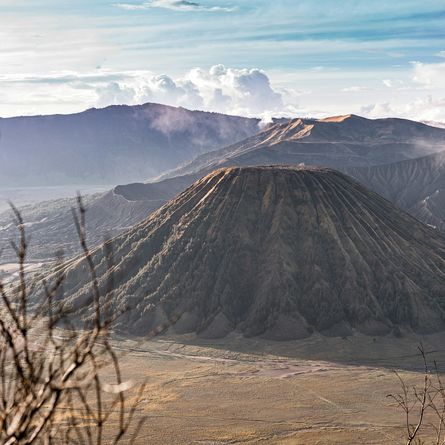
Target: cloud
{"type": "Point", "coordinates": [416, 91]}
{"type": "Point", "coordinates": [114, 94]}
{"type": "Point", "coordinates": [147, 87]}
{"type": "Point", "coordinates": [64, 77]}
{"type": "Point", "coordinates": [421, 109]}
{"type": "Point", "coordinates": [175, 5]}
{"type": "Point", "coordinates": [429, 74]}
{"type": "Point", "coordinates": [237, 91]}
{"type": "Point", "coordinates": [246, 92]}
{"type": "Point", "coordinates": [355, 89]}
{"type": "Point", "coordinates": [395, 83]}
{"type": "Point", "coordinates": [421, 96]}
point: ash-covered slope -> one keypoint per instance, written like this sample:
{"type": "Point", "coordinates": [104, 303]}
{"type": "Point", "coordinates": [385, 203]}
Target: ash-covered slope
{"type": "Point", "coordinates": [416, 186]}
{"type": "Point", "coordinates": [113, 145]}
{"type": "Point", "coordinates": [335, 142]}
{"type": "Point", "coordinates": [276, 252]}
{"type": "Point", "coordinates": [51, 227]}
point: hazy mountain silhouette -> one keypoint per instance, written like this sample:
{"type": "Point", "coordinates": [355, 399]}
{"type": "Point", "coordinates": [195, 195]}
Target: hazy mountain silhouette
{"type": "Point", "coordinates": [117, 144]}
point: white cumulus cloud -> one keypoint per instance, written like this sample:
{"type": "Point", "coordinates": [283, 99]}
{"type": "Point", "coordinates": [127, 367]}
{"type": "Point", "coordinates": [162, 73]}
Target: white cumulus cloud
{"type": "Point", "coordinates": [246, 92]}
{"type": "Point", "coordinates": [420, 109]}
{"type": "Point", "coordinates": [429, 74]}
{"type": "Point", "coordinates": [421, 96]}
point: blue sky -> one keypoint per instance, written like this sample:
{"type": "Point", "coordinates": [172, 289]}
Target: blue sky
{"type": "Point", "coordinates": [273, 57]}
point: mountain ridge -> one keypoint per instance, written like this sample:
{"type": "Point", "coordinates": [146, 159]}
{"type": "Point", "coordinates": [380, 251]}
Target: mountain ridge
{"type": "Point", "coordinates": [128, 204]}
{"type": "Point", "coordinates": [334, 142]}
{"type": "Point", "coordinates": [111, 145]}
{"type": "Point", "coordinates": [416, 185]}
{"type": "Point", "coordinates": [275, 251]}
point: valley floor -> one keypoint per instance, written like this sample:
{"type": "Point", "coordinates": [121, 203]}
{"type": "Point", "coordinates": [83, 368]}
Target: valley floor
{"type": "Point", "coordinates": [318, 391]}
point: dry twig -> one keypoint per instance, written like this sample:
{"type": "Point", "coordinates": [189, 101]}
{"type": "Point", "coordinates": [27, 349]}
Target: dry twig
{"type": "Point", "coordinates": [52, 384]}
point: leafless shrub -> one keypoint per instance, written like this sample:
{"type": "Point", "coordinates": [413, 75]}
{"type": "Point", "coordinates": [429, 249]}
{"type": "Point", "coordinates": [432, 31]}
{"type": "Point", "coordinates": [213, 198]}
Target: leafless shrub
{"type": "Point", "coordinates": [53, 385]}
{"type": "Point", "coordinates": [423, 406]}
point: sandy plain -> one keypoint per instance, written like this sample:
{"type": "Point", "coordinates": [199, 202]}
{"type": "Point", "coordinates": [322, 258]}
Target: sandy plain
{"type": "Point", "coordinates": [248, 391]}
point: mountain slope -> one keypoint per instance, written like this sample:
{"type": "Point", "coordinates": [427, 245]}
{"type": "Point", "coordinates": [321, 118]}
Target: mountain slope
{"type": "Point", "coordinates": [129, 204]}
{"type": "Point", "coordinates": [415, 185]}
{"type": "Point", "coordinates": [434, 124]}
{"type": "Point", "coordinates": [276, 252]}
{"type": "Point", "coordinates": [51, 228]}
{"type": "Point", "coordinates": [50, 223]}
{"type": "Point", "coordinates": [117, 144]}
{"type": "Point", "coordinates": [335, 142]}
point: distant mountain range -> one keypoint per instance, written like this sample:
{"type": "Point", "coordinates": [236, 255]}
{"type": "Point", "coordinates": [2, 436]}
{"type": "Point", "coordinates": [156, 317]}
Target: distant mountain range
{"type": "Point", "coordinates": [117, 144]}
{"type": "Point", "coordinates": [336, 142]}
{"type": "Point", "coordinates": [413, 184]}
{"type": "Point", "coordinates": [275, 252]}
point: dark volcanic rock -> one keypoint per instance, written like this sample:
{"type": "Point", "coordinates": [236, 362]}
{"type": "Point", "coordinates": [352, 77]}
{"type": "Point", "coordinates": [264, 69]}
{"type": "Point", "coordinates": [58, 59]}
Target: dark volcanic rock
{"type": "Point", "coordinates": [276, 252]}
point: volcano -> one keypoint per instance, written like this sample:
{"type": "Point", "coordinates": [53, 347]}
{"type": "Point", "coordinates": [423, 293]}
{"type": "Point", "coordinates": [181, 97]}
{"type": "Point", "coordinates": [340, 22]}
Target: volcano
{"type": "Point", "coordinates": [276, 252]}
{"type": "Point", "coordinates": [357, 146]}
{"type": "Point", "coordinates": [335, 142]}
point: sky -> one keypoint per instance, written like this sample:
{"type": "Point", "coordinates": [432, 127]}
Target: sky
{"type": "Point", "coordinates": [246, 57]}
